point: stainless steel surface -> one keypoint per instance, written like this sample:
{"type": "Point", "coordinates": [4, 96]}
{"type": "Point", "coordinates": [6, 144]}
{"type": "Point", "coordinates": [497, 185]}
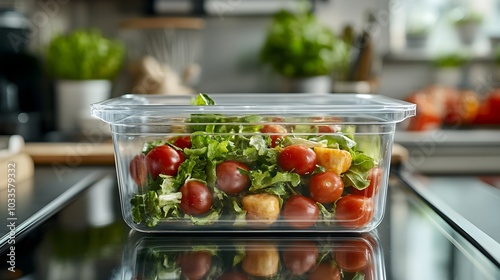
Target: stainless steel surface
{"type": "Point", "coordinates": [467, 204]}
{"type": "Point", "coordinates": [425, 244]}
{"type": "Point", "coordinates": [452, 151]}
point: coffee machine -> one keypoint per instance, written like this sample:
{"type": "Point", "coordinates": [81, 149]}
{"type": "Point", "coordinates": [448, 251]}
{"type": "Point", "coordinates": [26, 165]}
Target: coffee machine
{"type": "Point", "coordinates": [20, 79]}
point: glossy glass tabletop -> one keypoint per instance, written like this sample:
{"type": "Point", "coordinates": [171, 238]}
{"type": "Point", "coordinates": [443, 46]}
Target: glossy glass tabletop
{"type": "Point", "coordinates": [86, 238]}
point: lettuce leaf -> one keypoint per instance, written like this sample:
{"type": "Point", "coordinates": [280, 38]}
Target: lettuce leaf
{"type": "Point", "coordinates": [357, 174]}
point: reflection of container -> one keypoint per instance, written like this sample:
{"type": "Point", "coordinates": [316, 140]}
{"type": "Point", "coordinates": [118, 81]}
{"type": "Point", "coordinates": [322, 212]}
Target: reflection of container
{"type": "Point", "coordinates": [341, 121]}
{"type": "Point", "coordinates": [280, 257]}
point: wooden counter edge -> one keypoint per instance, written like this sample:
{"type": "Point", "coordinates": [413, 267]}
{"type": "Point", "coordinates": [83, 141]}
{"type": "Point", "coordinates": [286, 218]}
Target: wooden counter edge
{"type": "Point", "coordinates": [72, 154]}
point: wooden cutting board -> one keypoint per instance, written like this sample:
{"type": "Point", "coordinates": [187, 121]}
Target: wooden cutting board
{"type": "Point", "coordinates": [15, 168]}
{"type": "Point", "coordinates": [71, 154]}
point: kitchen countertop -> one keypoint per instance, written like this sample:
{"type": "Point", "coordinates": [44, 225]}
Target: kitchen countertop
{"type": "Point", "coordinates": [71, 227]}
{"type": "Point", "coordinates": [452, 151]}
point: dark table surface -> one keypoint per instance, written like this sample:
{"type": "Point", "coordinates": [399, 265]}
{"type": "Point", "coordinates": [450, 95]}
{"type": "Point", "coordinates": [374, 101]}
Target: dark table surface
{"type": "Point", "coordinates": [69, 226]}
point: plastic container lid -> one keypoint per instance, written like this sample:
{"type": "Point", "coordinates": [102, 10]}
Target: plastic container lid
{"type": "Point", "coordinates": [379, 109]}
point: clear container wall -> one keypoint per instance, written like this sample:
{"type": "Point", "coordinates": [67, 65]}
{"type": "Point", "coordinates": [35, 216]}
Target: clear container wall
{"type": "Point", "coordinates": [296, 163]}
{"type": "Point", "coordinates": [328, 141]}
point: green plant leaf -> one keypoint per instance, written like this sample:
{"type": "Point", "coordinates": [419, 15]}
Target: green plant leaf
{"type": "Point", "coordinates": [84, 55]}
{"type": "Point", "coordinates": [298, 45]}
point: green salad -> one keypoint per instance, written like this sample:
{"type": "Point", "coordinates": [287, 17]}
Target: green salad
{"type": "Point", "coordinates": [254, 171]}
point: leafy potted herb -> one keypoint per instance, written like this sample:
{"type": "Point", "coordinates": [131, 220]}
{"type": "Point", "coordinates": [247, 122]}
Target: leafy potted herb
{"type": "Point", "coordinates": [449, 68]}
{"type": "Point", "coordinates": [301, 50]}
{"type": "Point", "coordinates": [467, 24]}
{"type": "Point", "coordinates": [416, 36]}
{"type": "Point", "coordinates": [420, 21]}
{"type": "Point", "coordinates": [84, 63]}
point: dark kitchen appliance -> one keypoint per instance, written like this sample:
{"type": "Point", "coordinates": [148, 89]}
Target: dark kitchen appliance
{"type": "Point", "coordinates": [20, 75]}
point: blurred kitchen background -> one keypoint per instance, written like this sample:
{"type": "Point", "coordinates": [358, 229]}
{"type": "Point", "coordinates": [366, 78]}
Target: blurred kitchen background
{"type": "Point", "coordinates": [443, 55]}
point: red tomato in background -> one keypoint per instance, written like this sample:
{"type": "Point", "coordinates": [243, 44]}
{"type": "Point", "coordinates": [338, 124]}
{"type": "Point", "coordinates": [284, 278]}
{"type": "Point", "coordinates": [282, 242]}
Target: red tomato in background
{"type": "Point", "coordinates": [489, 111]}
{"type": "Point", "coordinates": [229, 179]}
{"type": "Point", "coordinates": [300, 256]}
{"type": "Point", "coordinates": [494, 100]}
{"type": "Point", "coordinates": [163, 160]}
{"type": "Point", "coordinates": [275, 131]}
{"type": "Point", "coordinates": [375, 176]}
{"type": "Point", "coordinates": [424, 121]}
{"type": "Point", "coordinates": [138, 169]}
{"type": "Point", "coordinates": [353, 255]}
{"type": "Point", "coordinates": [325, 271]}
{"type": "Point", "coordinates": [194, 265]}
{"type": "Point", "coordinates": [429, 112]}
{"type": "Point", "coordinates": [297, 158]}
{"type": "Point", "coordinates": [300, 211]}
{"type": "Point", "coordinates": [183, 142]}
{"type": "Point", "coordinates": [354, 211]}
{"type": "Point", "coordinates": [326, 187]}
{"type": "Point", "coordinates": [196, 198]}
{"type": "Point", "coordinates": [461, 107]}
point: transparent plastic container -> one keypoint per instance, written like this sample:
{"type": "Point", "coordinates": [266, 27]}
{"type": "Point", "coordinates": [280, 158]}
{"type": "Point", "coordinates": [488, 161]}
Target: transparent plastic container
{"type": "Point", "coordinates": [253, 162]}
{"type": "Point", "coordinates": [256, 257]}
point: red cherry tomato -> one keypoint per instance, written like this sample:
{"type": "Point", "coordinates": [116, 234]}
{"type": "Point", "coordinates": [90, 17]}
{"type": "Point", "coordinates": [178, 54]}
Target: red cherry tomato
{"type": "Point", "coordinates": [229, 178]}
{"type": "Point", "coordinates": [300, 256]}
{"type": "Point", "coordinates": [375, 176]}
{"type": "Point", "coordinates": [194, 265]}
{"type": "Point", "coordinates": [275, 132]}
{"type": "Point", "coordinates": [196, 198]}
{"type": "Point", "coordinates": [163, 160]}
{"type": "Point", "coordinates": [300, 211]}
{"type": "Point", "coordinates": [326, 129]}
{"type": "Point", "coordinates": [353, 255]}
{"type": "Point", "coordinates": [298, 158]}
{"type": "Point", "coordinates": [326, 187]}
{"type": "Point", "coordinates": [138, 169]}
{"type": "Point", "coordinates": [183, 142]}
{"type": "Point", "coordinates": [354, 211]}
{"type": "Point", "coordinates": [325, 271]}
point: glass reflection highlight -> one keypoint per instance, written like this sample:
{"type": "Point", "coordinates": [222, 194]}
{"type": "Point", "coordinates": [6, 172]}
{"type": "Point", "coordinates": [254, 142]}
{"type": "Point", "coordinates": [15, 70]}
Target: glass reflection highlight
{"type": "Point", "coordinates": [257, 257]}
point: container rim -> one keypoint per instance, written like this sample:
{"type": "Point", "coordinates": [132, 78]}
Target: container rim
{"type": "Point", "coordinates": [394, 110]}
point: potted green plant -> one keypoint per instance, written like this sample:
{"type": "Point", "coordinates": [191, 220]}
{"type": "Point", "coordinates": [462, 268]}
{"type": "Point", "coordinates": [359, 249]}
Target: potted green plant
{"type": "Point", "coordinates": [496, 58]}
{"type": "Point", "coordinates": [416, 36]}
{"type": "Point", "coordinates": [84, 63]}
{"type": "Point", "coordinates": [420, 20]}
{"type": "Point", "coordinates": [467, 24]}
{"type": "Point", "coordinates": [449, 68]}
{"type": "Point", "coordinates": [301, 50]}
